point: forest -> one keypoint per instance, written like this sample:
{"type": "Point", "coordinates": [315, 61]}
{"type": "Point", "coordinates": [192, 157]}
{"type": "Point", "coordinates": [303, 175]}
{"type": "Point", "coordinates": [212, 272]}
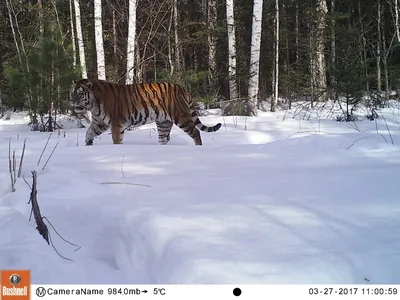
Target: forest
{"type": "Point", "coordinates": [240, 56]}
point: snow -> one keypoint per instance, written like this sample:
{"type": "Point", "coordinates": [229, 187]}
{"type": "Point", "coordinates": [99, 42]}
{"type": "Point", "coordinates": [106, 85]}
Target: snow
{"type": "Point", "coordinates": [267, 199]}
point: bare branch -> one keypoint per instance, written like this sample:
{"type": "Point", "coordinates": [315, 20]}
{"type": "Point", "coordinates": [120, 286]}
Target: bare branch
{"type": "Point", "coordinates": [127, 183]}
{"type": "Point", "coordinates": [44, 148]}
{"type": "Point", "coordinates": [22, 159]}
{"type": "Point", "coordinates": [51, 154]}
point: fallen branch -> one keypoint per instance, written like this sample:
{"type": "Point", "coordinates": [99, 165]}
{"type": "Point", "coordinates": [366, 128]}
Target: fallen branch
{"type": "Point", "coordinates": [41, 226]}
{"type": "Point", "coordinates": [127, 183]}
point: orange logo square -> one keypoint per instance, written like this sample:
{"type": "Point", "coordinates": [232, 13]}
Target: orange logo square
{"type": "Point", "coordinates": [15, 285]}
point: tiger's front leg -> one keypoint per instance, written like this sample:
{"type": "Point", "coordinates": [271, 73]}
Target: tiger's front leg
{"type": "Point", "coordinates": [95, 129]}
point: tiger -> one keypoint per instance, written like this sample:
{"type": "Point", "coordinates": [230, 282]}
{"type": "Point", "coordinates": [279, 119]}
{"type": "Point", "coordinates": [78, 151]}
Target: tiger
{"type": "Point", "coordinates": [120, 106]}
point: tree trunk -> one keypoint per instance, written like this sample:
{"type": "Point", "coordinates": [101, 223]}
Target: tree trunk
{"type": "Point", "coordinates": [130, 57]}
{"type": "Point", "coordinates": [39, 4]}
{"type": "Point", "coordinates": [231, 50]}
{"type": "Point", "coordinates": [379, 49]}
{"type": "Point", "coordinates": [81, 46]}
{"type": "Point", "coordinates": [333, 46]}
{"type": "Point", "coordinates": [14, 33]}
{"type": "Point", "coordinates": [22, 54]}
{"type": "Point", "coordinates": [318, 65]}
{"type": "Point", "coordinates": [170, 60]}
{"type": "Point", "coordinates": [212, 40]}
{"type": "Point", "coordinates": [1, 105]}
{"type": "Point", "coordinates": [255, 57]}
{"type": "Point", "coordinates": [297, 25]}
{"type": "Point", "coordinates": [115, 47]}
{"type": "Point", "coordinates": [178, 62]}
{"type": "Point", "coordinates": [396, 15]}
{"type": "Point", "coordinates": [98, 28]}
{"type": "Point", "coordinates": [71, 13]}
{"type": "Point", "coordinates": [275, 89]}
{"type": "Point", "coordinates": [364, 43]}
{"type": "Point", "coordinates": [385, 57]}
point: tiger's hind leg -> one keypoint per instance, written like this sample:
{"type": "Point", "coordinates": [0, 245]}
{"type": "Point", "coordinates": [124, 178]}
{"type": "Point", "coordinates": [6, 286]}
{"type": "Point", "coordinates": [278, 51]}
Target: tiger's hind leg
{"type": "Point", "coordinates": [117, 132]}
{"type": "Point", "coordinates": [164, 130]}
{"type": "Point", "coordinates": [95, 129]}
{"type": "Point", "coordinates": [188, 126]}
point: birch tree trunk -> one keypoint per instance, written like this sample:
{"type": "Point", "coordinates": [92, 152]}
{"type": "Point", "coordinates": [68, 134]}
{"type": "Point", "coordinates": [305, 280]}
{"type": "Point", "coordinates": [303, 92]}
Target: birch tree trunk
{"type": "Point", "coordinates": [21, 54]}
{"type": "Point", "coordinates": [364, 43]}
{"type": "Point", "coordinates": [98, 34]}
{"type": "Point", "coordinates": [130, 56]}
{"type": "Point", "coordinates": [1, 105]}
{"type": "Point", "coordinates": [212, 40]}
{"type": "Point", "coordinates": [170, 60]}
{"type": "Point", "coordinates": [71, 13]}
{"type": "Point", "coordinates": [385, 58]}
{"type": "Point", "coordinates": [333, 44]}
{"type": "Point", "coordinates": [39, 4]}
{"type": "Point", "coordinates": [177, 51]}
{"type": "Point", "coordinates": [115, 42]}
{"type": "Point", "coordinates": [255, 57]}
{"type": "Point", "coordinates": [396, 16]}
{"type": "Point", "coordinates": [81, 46]}
{"type": "Point", "coordinates": [274, 99]}
{"type": "Point", "coordinates": [230, 20]}
{"type": "Point", "coordinates": [14, 33]}
{"type": "Point", "coordinates": [297, 25]}
{"type": "Point", "coordinates": [378, 49]}
{"type": "Point", "coordinates": [318, 67]}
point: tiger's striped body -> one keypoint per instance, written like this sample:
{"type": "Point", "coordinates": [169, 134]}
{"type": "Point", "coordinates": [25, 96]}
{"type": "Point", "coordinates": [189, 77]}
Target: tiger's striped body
{"type": "Point", "coordinates": [119, 106]}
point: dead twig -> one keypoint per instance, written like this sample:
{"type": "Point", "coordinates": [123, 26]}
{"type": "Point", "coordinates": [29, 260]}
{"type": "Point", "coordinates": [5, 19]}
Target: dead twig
{"type": "Point", "coordinates": [122, 167]}
{"type": "Point", "coordinates": [365, 137]}
{"type": "Point", "coordinates": [388, 130]}
{"type": "Point", "coordinates": [14, 167]}
{"type": "Point", "coordinates": [10, 166]}
{"type": "Point", "coordinates": [60, 234]}
{"type": "Point", "coordinates": [307, 131]}
{"type": "Point", "coordinates": [51, 154]}
{"type": "Point", "coordinates": [44, 148]}
{"type": "Point", "coordinates": [127, 183]}
{"type": "Point", "coordinates": [22, 159]}
{"type": "Point", "coordinates": [9, 155]}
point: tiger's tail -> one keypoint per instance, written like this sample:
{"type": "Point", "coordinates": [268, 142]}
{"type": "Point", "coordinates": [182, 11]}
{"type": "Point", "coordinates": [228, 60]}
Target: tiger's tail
{"type": "Point", "coordinates": [197, 122]}
{"type": "Point", "coordinates": [205, 128]}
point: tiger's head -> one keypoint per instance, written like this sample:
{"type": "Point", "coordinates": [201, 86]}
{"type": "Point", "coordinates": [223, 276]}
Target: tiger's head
{"type": "Point", "coordinates": [81, 96]}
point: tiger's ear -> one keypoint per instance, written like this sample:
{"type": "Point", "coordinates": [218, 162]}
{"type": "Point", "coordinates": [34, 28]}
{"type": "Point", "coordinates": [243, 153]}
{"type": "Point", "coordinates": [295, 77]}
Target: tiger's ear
{"type": "Point", "coordinates": [89, 85]}
{"type": "Point", "coordinates": [74, 81]}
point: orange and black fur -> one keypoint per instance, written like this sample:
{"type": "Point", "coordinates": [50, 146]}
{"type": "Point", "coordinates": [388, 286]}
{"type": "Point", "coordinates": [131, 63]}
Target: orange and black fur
{"type": "Point", "coordinates": [119, 106]}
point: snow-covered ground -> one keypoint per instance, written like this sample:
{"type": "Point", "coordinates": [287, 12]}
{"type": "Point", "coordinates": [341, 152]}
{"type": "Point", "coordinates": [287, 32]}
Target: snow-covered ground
{"type": "Point", "coordinates": [269, 199]}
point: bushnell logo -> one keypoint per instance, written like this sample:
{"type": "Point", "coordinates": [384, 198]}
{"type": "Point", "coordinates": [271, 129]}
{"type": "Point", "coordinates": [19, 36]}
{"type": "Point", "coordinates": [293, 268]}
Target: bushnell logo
{"type": "Point", "coordinates": [15, 279]}
{"type": "Point", "coordinates": [15, 284]}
